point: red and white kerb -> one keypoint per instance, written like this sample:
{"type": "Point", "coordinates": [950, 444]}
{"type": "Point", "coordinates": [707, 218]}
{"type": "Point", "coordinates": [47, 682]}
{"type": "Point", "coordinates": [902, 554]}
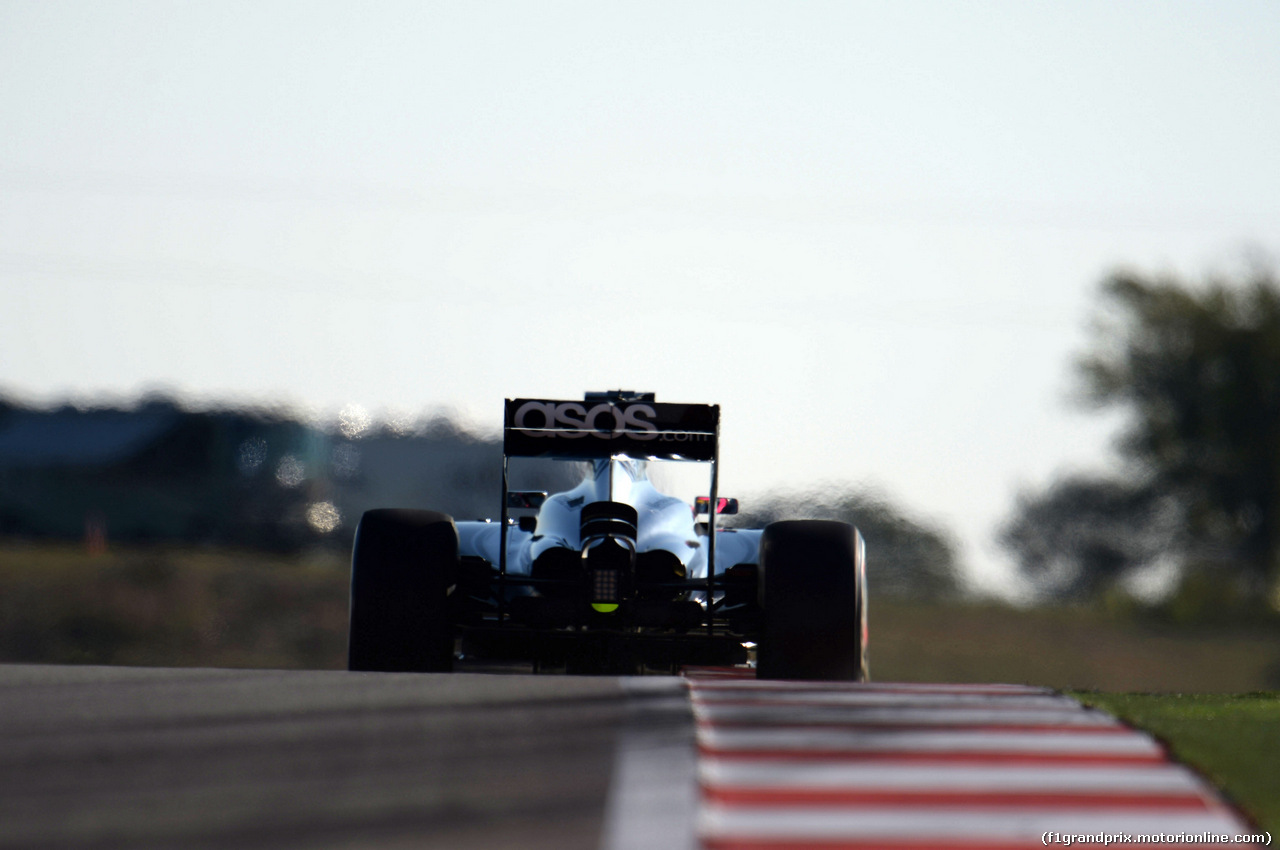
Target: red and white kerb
{"type": "Point", "coordinates": [831, 765]}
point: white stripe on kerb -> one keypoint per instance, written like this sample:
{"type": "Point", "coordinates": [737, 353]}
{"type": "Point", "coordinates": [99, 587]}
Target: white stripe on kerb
{"type": "Point", "coordinates": [947, 741]}
{"type": "Point", "coordinates": [843, 697]}
{"type": "Point", "coordinates": [997, 823]}
{"type": "Point", "coordinates": [927, 715]}
{"type": "Point", "coordinates": [751, 684]}
{"type": "Point", "coordinates": [881, 776]}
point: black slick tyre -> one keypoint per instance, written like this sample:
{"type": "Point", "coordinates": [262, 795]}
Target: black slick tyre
{"type": "Point", "coordinates": [404, 565]}
{"type": "Point", "coordinates": [812, 590]}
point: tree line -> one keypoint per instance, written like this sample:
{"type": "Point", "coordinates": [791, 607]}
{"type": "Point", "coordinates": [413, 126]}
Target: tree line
{"type": "Point", "coordinates": [1194, 491]}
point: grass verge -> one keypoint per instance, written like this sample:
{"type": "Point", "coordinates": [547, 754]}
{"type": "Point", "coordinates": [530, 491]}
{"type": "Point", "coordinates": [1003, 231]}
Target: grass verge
{"type": "Point", "coordinates": [1067, 647]}
{"type": "Point", "coordinates": [1234, 739]}
{"type": "Point", "coordinates": [172, 607]}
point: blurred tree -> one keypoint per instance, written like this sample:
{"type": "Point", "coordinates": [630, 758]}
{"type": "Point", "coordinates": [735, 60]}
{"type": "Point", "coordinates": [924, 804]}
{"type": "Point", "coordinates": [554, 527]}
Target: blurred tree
{"type": "Point", "coordinates": [1084, 534]}
{"type": "Point", "coordinates": [910, 559]}
{"type": "Point", "coordinates": [1198, 370]}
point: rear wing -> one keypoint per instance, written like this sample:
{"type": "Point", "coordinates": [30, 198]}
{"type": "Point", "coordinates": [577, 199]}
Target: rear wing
{"type": "Point", "coordinates": [595, 429]}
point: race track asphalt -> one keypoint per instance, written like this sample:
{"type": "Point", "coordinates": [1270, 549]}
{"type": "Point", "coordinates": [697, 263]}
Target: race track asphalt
{"type": "Point", "coordinates": [98, 757]}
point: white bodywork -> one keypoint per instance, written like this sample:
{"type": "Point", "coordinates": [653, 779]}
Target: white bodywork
{"type": "Point", "coordinates": [664, 522]}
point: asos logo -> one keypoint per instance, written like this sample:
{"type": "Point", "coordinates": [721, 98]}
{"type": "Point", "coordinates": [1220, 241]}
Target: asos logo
{"type": "Point", "coordinates": [606, 421]}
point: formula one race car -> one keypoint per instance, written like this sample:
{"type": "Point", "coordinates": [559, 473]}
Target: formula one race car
{"type": "Point", "coordinates": [611, 576]}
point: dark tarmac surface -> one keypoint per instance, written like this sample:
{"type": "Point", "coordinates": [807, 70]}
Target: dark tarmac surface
{"type": "Point", "coordinates": [147, 758]}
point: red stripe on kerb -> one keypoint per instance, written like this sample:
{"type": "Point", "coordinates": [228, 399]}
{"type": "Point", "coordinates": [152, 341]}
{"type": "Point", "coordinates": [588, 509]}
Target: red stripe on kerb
{"type": "Point", "coordinates": [718, 672]}
{"type": "Point", "coordinates": [946, 799]}
{"type": "Point", "coordinates": [938, 757]}
{"type": "Point", "coordinates": [798, 701]}
{"type": "Point", "coordinates": [736, 843]}
{"type": "Point", "coordinates": [713, 705]}
{"type": "Point", "coordinates": [783, 723]}
{"type": "Point", "coordinates": [751, 691]}
{"type": "Point", "coordinates": [733, 696]}
{"type": "Point", "coordinates": [748, 685]}
{"type": "Point", "coordinates": [788, 844]}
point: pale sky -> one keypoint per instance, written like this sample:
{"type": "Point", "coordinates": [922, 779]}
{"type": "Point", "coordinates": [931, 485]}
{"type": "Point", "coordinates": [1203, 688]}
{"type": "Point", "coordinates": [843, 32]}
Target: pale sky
{"type": "Point", "coordinates": [872, 232]}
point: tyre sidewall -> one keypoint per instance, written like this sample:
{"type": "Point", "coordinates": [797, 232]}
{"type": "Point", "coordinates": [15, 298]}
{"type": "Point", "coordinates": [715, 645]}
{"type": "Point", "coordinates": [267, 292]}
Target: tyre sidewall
{"type": "Point", "coordinates": [403, 566]}
{"type": "Point", "coordinates": [810, 580]}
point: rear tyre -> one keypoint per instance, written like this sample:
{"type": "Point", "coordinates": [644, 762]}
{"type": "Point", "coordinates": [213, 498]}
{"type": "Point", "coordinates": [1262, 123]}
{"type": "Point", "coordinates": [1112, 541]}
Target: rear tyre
{"type": "Point", "coordinates": [404, 565]}
{"type": "Point", "coordinates": [813, 593]}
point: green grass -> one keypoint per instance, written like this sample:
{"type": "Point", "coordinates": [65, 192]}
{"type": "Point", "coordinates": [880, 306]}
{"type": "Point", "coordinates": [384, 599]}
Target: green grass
{"type": "Point", "coordinates": [172, 607]}
{"type": "Point", "coordinates": [1066, 647]}
{"type": "Point", "coordinates": [1234, 739]}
